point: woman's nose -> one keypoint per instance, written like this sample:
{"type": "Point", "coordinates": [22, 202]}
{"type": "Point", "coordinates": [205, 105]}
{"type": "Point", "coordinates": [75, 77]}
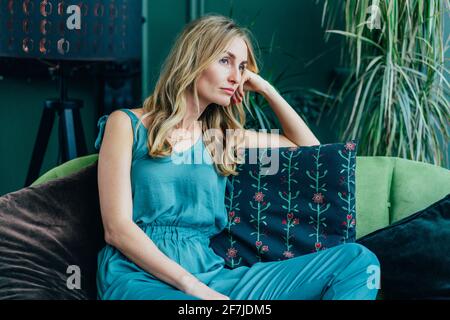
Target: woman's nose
{"type": "Point", "coordinates": [235, 75]}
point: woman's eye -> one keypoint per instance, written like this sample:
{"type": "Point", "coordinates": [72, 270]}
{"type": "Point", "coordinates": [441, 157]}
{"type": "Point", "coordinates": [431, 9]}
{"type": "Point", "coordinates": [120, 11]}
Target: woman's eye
{"type": "Point", "coordinates": [226, 59]}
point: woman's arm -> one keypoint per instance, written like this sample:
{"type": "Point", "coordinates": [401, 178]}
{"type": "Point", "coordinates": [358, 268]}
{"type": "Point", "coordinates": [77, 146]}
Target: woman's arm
{"type": "Point", "coordinates": [114, 185]}
{"type": "Point", "coordinates": [294, 128]}
{"type": "Point", "coordinates": [296, 132]}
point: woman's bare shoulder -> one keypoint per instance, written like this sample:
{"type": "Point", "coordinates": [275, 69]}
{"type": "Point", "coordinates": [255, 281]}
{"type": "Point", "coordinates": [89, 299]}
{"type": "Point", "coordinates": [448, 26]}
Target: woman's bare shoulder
{"type": "Point", "coordinates": [139, 112]}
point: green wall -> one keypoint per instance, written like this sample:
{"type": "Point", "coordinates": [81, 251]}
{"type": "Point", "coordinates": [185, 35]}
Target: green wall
{"type": "Point", "coordinates": [293, 25]}
{"type": "Point", "coordinates": [20, 114]}
{"type": "Point", "coordinates": [296, 25]}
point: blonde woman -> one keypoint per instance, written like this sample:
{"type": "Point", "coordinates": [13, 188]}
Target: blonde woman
{"type": "Point", "coordinates": [159, 209]}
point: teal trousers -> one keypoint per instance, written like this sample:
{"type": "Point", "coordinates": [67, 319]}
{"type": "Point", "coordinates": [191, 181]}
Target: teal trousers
{"type": "Point", "coordinates": [344, 272]}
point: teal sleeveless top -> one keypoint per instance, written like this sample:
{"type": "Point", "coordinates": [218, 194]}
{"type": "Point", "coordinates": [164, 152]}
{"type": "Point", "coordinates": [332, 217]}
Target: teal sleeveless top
{"type": "Point", "coordinates": [178, 201]}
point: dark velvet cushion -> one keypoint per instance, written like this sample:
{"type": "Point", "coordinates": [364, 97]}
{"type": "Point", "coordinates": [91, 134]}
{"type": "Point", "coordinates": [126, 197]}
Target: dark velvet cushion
{"type": "Point", "coordinates": [44, 229]}
{"type": "Point", "coordinates": [414, 254]}
{"type": "Point", "coordinates": [288, 202]}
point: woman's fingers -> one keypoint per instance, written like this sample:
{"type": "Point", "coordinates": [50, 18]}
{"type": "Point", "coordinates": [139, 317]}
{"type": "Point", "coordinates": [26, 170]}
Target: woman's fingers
{"type": "Point", "coordinates": [237, 97]}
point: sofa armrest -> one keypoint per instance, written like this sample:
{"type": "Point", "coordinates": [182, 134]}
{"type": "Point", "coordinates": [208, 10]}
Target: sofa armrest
{"type": "Point", "coordinates": [373, 183]}
{"type": "Point", "coordinates": [66, 168]}
{"type": "Point", "coordinates": [415, 186]}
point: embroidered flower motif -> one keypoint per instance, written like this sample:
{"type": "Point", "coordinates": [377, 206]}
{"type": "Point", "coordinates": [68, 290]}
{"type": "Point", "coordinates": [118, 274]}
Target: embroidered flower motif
{"type": "Point", "coordinates": [350, 146]}
{"type": "Point", "coordinates": [349, 217]}
{"type": "Point", "coordinates": [232, 252]}
{"type": "Point", "coordinates": [296, 221]}
{"type": "Point", "coordinates": [231, 214]}
{"type": "Point", "coordinates": [290, 215]}
{"type": "Point", "coordinates": [318, 245]}
{"type": "Point", "coordinates": [265, 248]}
{"type": "Point", "coordinates": [259, 196]}
{"type": "Point", "coordinates": [344, 223]}
{"type": "Point", "coordinates": [283, 221]}
{"type": "Point", "coordinates": [288, 254]}
{"type": "Point", "coordinates": [258, 243]}
{"type": "Point", "coordinates": [237, 219]}
{"type": "Point", "coordinates": [353, 222]}
{"type": "Point", "coordinates": [318, 198]}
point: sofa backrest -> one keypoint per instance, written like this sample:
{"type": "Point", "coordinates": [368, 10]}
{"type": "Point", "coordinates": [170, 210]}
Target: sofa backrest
{"type": "Point", "coordinates": [387, 188]}
{"type": "Point", "coordinates": [416, 185]}
{"type": "Point", "coordinates": [390, 188]}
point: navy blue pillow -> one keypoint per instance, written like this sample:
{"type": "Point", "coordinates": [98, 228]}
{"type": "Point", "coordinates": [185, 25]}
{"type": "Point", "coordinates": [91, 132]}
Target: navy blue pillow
{"type": "Point", "coordinates": [288, 202]}
{"type": "Point", "coordinates": [414, 254]}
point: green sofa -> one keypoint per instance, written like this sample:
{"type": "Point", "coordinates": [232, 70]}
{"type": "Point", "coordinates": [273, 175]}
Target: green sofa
{"type": "Point", "coordinates": [387, 188]}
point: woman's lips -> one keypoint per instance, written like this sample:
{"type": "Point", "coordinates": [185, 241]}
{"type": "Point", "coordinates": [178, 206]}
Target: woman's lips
{"type": "Point", "coordinates": [229, 91]}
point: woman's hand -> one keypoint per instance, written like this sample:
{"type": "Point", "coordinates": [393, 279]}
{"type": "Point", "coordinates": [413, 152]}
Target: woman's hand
{"type": "Point", "coordinates": [202, 291]}
{"type": "Point", "coordinates": [198, 289]}
{"type": "Point", "coordinates": [250, 82]}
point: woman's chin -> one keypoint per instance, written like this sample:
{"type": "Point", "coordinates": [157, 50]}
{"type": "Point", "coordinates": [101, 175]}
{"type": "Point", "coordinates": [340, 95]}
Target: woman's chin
{"type": "Point", "coordinates": [225, 103]}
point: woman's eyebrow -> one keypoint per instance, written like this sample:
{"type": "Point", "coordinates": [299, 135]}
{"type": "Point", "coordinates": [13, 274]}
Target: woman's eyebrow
{"type": "Point", "coordinates": [234, 57]}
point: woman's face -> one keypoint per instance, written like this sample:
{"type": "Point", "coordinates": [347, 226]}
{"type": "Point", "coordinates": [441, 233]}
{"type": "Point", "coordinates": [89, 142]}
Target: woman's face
{"type": "Point", "coordinates": [225, 72]}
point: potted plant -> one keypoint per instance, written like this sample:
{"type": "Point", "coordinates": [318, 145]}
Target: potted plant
{"type": "Point", "coordinates": [396, 77]}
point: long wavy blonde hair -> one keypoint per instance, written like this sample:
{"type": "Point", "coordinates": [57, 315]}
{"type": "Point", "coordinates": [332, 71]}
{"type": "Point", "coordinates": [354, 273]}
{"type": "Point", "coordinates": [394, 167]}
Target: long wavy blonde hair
{"type": "Point", "coordinates": [200, 43]}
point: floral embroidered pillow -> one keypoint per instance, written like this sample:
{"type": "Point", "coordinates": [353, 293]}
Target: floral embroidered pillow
{"type": "Point", "coordinates": [288, 202]}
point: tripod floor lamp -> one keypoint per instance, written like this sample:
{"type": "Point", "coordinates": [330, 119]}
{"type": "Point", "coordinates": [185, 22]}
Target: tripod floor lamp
{"type": "Point", "coordinates": [62, 34]}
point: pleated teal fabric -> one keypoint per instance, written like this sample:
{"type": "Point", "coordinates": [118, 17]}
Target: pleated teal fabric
{"type": "Point", "coordinates": [178, 201]}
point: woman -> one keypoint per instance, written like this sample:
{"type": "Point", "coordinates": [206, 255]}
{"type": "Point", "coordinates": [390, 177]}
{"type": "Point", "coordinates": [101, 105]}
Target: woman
{"type": "Point", "coordinates": [159, 211]}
